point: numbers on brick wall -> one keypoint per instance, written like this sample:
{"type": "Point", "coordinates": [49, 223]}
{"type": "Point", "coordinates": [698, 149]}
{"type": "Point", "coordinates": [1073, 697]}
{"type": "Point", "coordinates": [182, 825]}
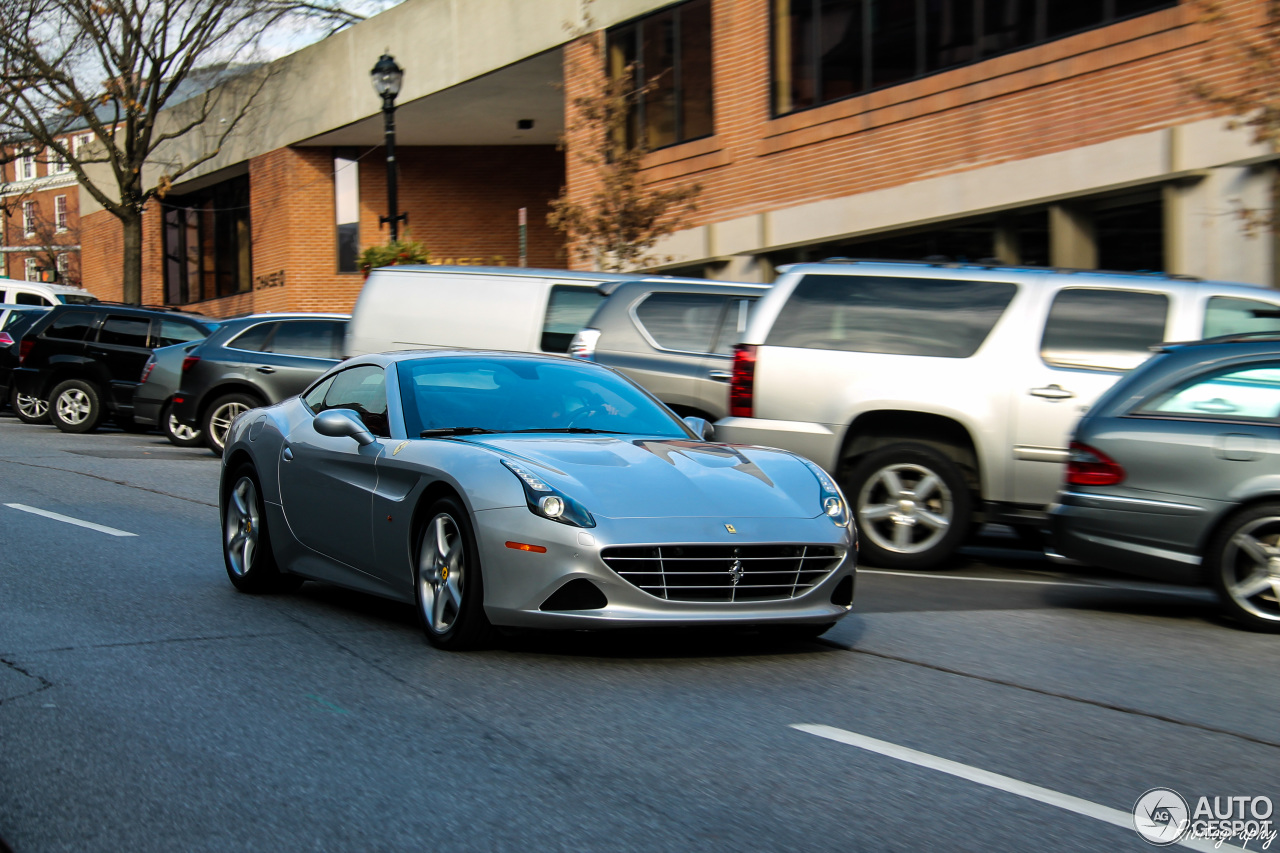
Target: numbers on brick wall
{"type": "Point", "coordinates": [271, 279]}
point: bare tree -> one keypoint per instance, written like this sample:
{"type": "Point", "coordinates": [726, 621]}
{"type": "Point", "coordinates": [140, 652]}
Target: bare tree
{"type": "Point", "coordinates": [1247, 35]}
{"type": "Point", "coordinates": [145, 78]}
{"type": "Point", "coordinates": [623, 217]}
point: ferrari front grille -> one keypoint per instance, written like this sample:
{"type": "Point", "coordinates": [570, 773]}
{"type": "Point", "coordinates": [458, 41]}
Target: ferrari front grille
{"type": "Point", "coordinates": [723, 572]}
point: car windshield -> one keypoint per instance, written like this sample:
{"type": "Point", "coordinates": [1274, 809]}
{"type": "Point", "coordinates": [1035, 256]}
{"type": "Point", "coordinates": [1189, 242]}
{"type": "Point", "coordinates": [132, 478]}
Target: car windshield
{"type": "Point", "coordinates": [76, 298]}
{"type": "Point", "coordinates": [515, 395]}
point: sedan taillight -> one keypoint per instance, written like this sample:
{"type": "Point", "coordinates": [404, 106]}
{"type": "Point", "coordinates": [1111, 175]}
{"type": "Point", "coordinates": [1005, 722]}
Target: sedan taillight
{"type": "Point", "coordinates": [24, 348]}
{"type": "Point", "coordinates": [742, 386]}
{"type": "Point", "coordinates": [6, 339]}
{"type": "Point", "coordinates": [189, 362]}
{"type": "Point", "coordinates": [1088, 466]}
{"type": "Point", "coordinates": [147, 368]}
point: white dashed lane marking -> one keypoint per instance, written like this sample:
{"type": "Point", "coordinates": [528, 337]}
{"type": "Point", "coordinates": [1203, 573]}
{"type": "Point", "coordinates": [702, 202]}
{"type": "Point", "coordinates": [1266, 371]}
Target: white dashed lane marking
{"type": "Point", "coordinates": [101, 528]}
{"type": "Point", "coordinates": [991, 780]}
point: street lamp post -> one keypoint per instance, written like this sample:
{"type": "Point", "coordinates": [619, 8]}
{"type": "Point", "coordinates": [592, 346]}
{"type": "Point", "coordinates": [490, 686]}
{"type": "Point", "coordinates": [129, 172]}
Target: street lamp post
{"type": "Point", "coordinates": [387, 77]}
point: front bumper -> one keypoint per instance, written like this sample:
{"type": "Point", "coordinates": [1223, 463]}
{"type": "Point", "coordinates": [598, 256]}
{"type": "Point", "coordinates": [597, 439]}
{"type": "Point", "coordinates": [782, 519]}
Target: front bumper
{"type": "Point", "coordinates": [517, 583]}
{"type": "Point", "coordinates": [817, 442]}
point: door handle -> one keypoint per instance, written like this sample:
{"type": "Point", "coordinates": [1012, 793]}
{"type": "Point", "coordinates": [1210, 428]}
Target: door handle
{"type": "Point", "coordinates": [721, 375]}
{"type": "Point", "coordinates": [1053, 392]}
{"type": "Point", "coordinates": [265, 369]}
{"type": "Point", "coordinates": [287, 455]}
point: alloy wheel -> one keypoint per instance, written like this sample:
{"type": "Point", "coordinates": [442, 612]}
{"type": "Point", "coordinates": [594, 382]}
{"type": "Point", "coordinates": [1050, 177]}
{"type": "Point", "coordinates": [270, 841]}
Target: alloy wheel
{"type": "Point", "coordinates": [31, 407]}
{"type": "Point", "coordinates": [74, 406]}
{"type": "Point", "coordinates": [242, 526]}
{"type": "Point", "coordinates": [221, 419]}
{"type": "Point", "coordinates": [905, 508]}
{"type": "Point", "coordinates": [441, 573]}
{"type": "Point", "coordinates": [1251, 568]}
{"type": "Point", "coordinates": [181, 431]}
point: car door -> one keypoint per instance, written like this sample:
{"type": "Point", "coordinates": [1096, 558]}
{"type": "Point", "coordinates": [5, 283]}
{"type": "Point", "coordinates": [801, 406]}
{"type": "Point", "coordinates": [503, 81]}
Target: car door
{"type": "Point", "coordinates": [1091, 337]}
{"type": "Point", "coordinates": [327, 483]}
{"type": "Point", "coordinates": [121, 348]}
{"type": "Point", "coordinates": [680, 329]}
{"type": "Point", "coordinates": [297, 352]}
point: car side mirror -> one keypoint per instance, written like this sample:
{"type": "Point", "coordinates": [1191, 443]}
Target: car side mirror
{"type": "Point", "coordinates": [337, 423]}
{"type": "Point", "coordinates": [702, 428]}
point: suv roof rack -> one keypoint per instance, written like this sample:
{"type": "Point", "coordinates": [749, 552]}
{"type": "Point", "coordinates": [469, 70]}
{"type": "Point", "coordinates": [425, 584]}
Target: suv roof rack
{"type": "Point", "coordinates": [995, 264]}
{"type": "Point", "coordinates": [1237, 338]}
{"type": "Point", "coordinates": [169, 308]}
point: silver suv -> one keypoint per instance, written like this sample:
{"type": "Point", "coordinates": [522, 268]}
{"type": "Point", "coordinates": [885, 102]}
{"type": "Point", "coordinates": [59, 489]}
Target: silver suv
{"type": "Point", "coordinates": [942, 396]}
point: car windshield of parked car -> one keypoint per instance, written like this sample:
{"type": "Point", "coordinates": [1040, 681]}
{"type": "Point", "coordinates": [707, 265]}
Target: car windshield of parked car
{"type": "Point", "coordinates": [514, 395]}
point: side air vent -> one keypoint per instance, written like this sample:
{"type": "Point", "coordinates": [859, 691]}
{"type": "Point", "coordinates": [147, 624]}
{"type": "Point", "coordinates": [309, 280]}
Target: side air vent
{"type": "Point", "coordinates": [580, 594]}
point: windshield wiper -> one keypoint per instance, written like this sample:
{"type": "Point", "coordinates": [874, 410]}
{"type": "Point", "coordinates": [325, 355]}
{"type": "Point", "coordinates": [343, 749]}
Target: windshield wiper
{"type": "Point", "coordinates": [575, 429]}
{"type": "Point", "coordinates": [458, 430]}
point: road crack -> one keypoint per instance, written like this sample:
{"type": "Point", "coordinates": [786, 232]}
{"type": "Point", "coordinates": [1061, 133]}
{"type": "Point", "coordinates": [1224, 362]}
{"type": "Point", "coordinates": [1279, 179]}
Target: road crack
{"type": "Point", "coordinates": [124, 483]}
{"type": "Point", "coordinates": [44, 683]}
{"type": "Point", "coordinates": [1097, 703]}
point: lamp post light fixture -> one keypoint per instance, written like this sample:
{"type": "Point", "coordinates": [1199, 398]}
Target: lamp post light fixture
{"type": "Point", "coordinates": [387, 77]}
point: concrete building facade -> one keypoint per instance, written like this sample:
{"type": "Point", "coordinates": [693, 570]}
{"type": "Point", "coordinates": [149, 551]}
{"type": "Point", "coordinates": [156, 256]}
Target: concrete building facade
{"type": "Point", "coordinates": [1029, 131]}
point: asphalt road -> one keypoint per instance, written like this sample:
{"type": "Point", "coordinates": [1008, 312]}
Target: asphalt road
{"type": "Point", "coordinates": [146, 705]}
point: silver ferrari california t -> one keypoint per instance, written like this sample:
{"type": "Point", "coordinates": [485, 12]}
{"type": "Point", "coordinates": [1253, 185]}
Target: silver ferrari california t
{"type": "Point", "coordinates": [527, 491]}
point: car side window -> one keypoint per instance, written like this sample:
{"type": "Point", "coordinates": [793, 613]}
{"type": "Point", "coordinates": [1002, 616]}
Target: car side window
{"type": "Point", "coordinates": [685, 322]}
{"type": "Point", "coordinates": [307, 338]}
{"type": "Point", "coordinates": [71, 326]}
{"type": "Point", "coordinates": [1235, 393]}
{"type": "Point", "coordinates": [733, 324]}
{"type": "Point", "coordinates": [363, 389]}
{"type": "Point", "coordinates": [254, 338]}
{"type": "Point", "coordinates": [31, 299]}
{"type": "Point", "coordinates": [1228, 315]}
{"type": "Point", "coordinates": [569, 308]}
{"type": "Point", "coordinates": [315, 397]}
{"type": "Point", "coordinates": [1102, 329]}
{"type": "Point", "coordinates": [176, 332]}
{"type": "Point", "coordinates": [124, 331]}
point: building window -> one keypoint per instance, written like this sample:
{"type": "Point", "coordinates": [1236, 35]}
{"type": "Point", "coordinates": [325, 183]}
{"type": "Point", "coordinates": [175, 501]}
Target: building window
{"type": "Point", "coordinates": [29, 218]}
{"type": "Point", "coordinates": [79, 142]}
{"type": "Point", "coordinates": [346, 204]}
{"type": "Point", "coordinates": [58, 164]}
{"type": "Point", "coordinates": [31, 270]}
{"type": "Point", "coordinates": [27, 167]}
{"type": "Point", "coordinates": [825, 50]}
{"type": "Point", "coordinates": [63, 265]}
{"type": "Point", "coordinates": [206, 243]}
{"type": "Point", "coordinates": [668, 55]}
{"type": "Point", "coordinates": [60, 212]}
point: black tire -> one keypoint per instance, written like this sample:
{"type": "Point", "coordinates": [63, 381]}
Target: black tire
{"type": "Point", "coordinates": [1238, 561]}
{"type": "Point", "coordinates": [1031, 538]}
{"type": "Point", "coordinates": [246, 539]}
{"type": "Point", "coordinates": [177, 433]}
{"type": "Point", "coordinates": [459, 622]}
{"type": "Point", "coordinates": [887, 523]}
{"type": "Point", "coordinates": [219, 414]}
{"type": "Point", "coordinates": [76, 406]}
{"type": "Point", "coordinates": [29, 410]}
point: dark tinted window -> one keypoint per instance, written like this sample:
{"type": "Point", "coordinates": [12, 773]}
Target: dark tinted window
{"type": "Point", "coordinates": [364, 390]}
{"type": "Point", "coordinates": [681, 321]}
{"type": "Point", "coordinates": [254, 338]}
{"type": "Point", "coordinates": [1225, 315]}
{"type": "Point", "coordinates": [72, 326]}
{"type": "Point", "coordinates": [1104, 329]}
{"type": "Point", "coordinates": [123, 331]}
{"type": "Point", "coordinates": [19, 321]}
{"type": "Point", "coordinates": [177, 332]}
{"type": "Point", "coordinates": [77, 299]}
{"type": "Point", "coordinates": [568, 310]}
{"type": "Point", "coordinates": [30, 299]}
{"type": "Point", "coordinates": [310, 338]}
{"type": "Point", "coordinates": [903, 316]}
{"type": "Point", "coordinates": [1234, 393]}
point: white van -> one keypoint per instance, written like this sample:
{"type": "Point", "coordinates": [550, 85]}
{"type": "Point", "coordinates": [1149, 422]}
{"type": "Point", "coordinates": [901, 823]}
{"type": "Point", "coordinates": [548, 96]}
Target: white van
{"type": "Point", "coordinates": [38, 293]}
{"type": "Point", "coordinates": [497, 308]}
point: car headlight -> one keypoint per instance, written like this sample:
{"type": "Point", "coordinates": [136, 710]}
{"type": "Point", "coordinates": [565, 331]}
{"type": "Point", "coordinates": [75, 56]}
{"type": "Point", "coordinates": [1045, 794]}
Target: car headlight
{"type": "Point", "coordinates": [831, 500]}
{"type": "Point", "coordinates": [549, 502]}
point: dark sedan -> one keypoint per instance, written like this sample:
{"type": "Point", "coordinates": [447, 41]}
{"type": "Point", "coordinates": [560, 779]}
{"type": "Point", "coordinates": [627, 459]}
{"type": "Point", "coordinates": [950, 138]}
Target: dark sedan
{"type": "Point", "coordinates": [1175, 474]}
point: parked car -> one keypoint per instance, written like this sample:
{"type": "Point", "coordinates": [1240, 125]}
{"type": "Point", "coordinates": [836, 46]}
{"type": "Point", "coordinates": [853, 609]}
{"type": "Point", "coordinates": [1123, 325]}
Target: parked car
{"type": "Point", "coordinates": [527, 490]}
{"type": "Point", "coordinates": [942, 395]}
{"type": "Point", "coordinates": [675, 338]}
{"type": "Point", "coordinates": [251, 362]}
{"type": "Point", "coordinates": [153, 398]}
{"type": "Point", "coordinates": [1175, 474]}
{"type": "Point", "coordinates": [86, 360]}
{"type": "Point", "coordinates": [491, 308]}
{"type": "Point", "coordinates": [14, 322]}
{"type": "Point", "coordinates": [38, 293]}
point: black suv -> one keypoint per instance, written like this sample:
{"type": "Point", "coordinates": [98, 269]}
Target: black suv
{"type": "Point", "coordinates": [251, 362]}
{"type": "Point", "coordinates": [86, 360]}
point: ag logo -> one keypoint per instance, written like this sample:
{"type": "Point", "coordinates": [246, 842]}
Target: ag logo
{"type": "Point", "coordinates": [730, 528]}
{"type": "Point", "coordinates": [401, 446]}
{"type": "Point", "coordinates": [1161, 816]}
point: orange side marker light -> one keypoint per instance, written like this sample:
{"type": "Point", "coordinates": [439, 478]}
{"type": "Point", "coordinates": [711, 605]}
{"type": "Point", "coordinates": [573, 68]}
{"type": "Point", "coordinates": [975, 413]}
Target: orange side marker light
{"type": "Point", "coordinates": [522, 546]}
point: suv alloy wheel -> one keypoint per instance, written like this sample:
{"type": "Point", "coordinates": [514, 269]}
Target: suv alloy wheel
{"type": "Point", "coordinates": [28, 409]}
{"type": "Point", "coordinates": [220, 414]}
{"type": "Point", "coordinates": [75, 406]}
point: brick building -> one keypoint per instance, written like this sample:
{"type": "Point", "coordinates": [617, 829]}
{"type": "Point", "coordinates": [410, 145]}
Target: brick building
{"type": "Point", "coordinates": [39, 215]}
{"type": "Point", "coordinates": [1056, 132]}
